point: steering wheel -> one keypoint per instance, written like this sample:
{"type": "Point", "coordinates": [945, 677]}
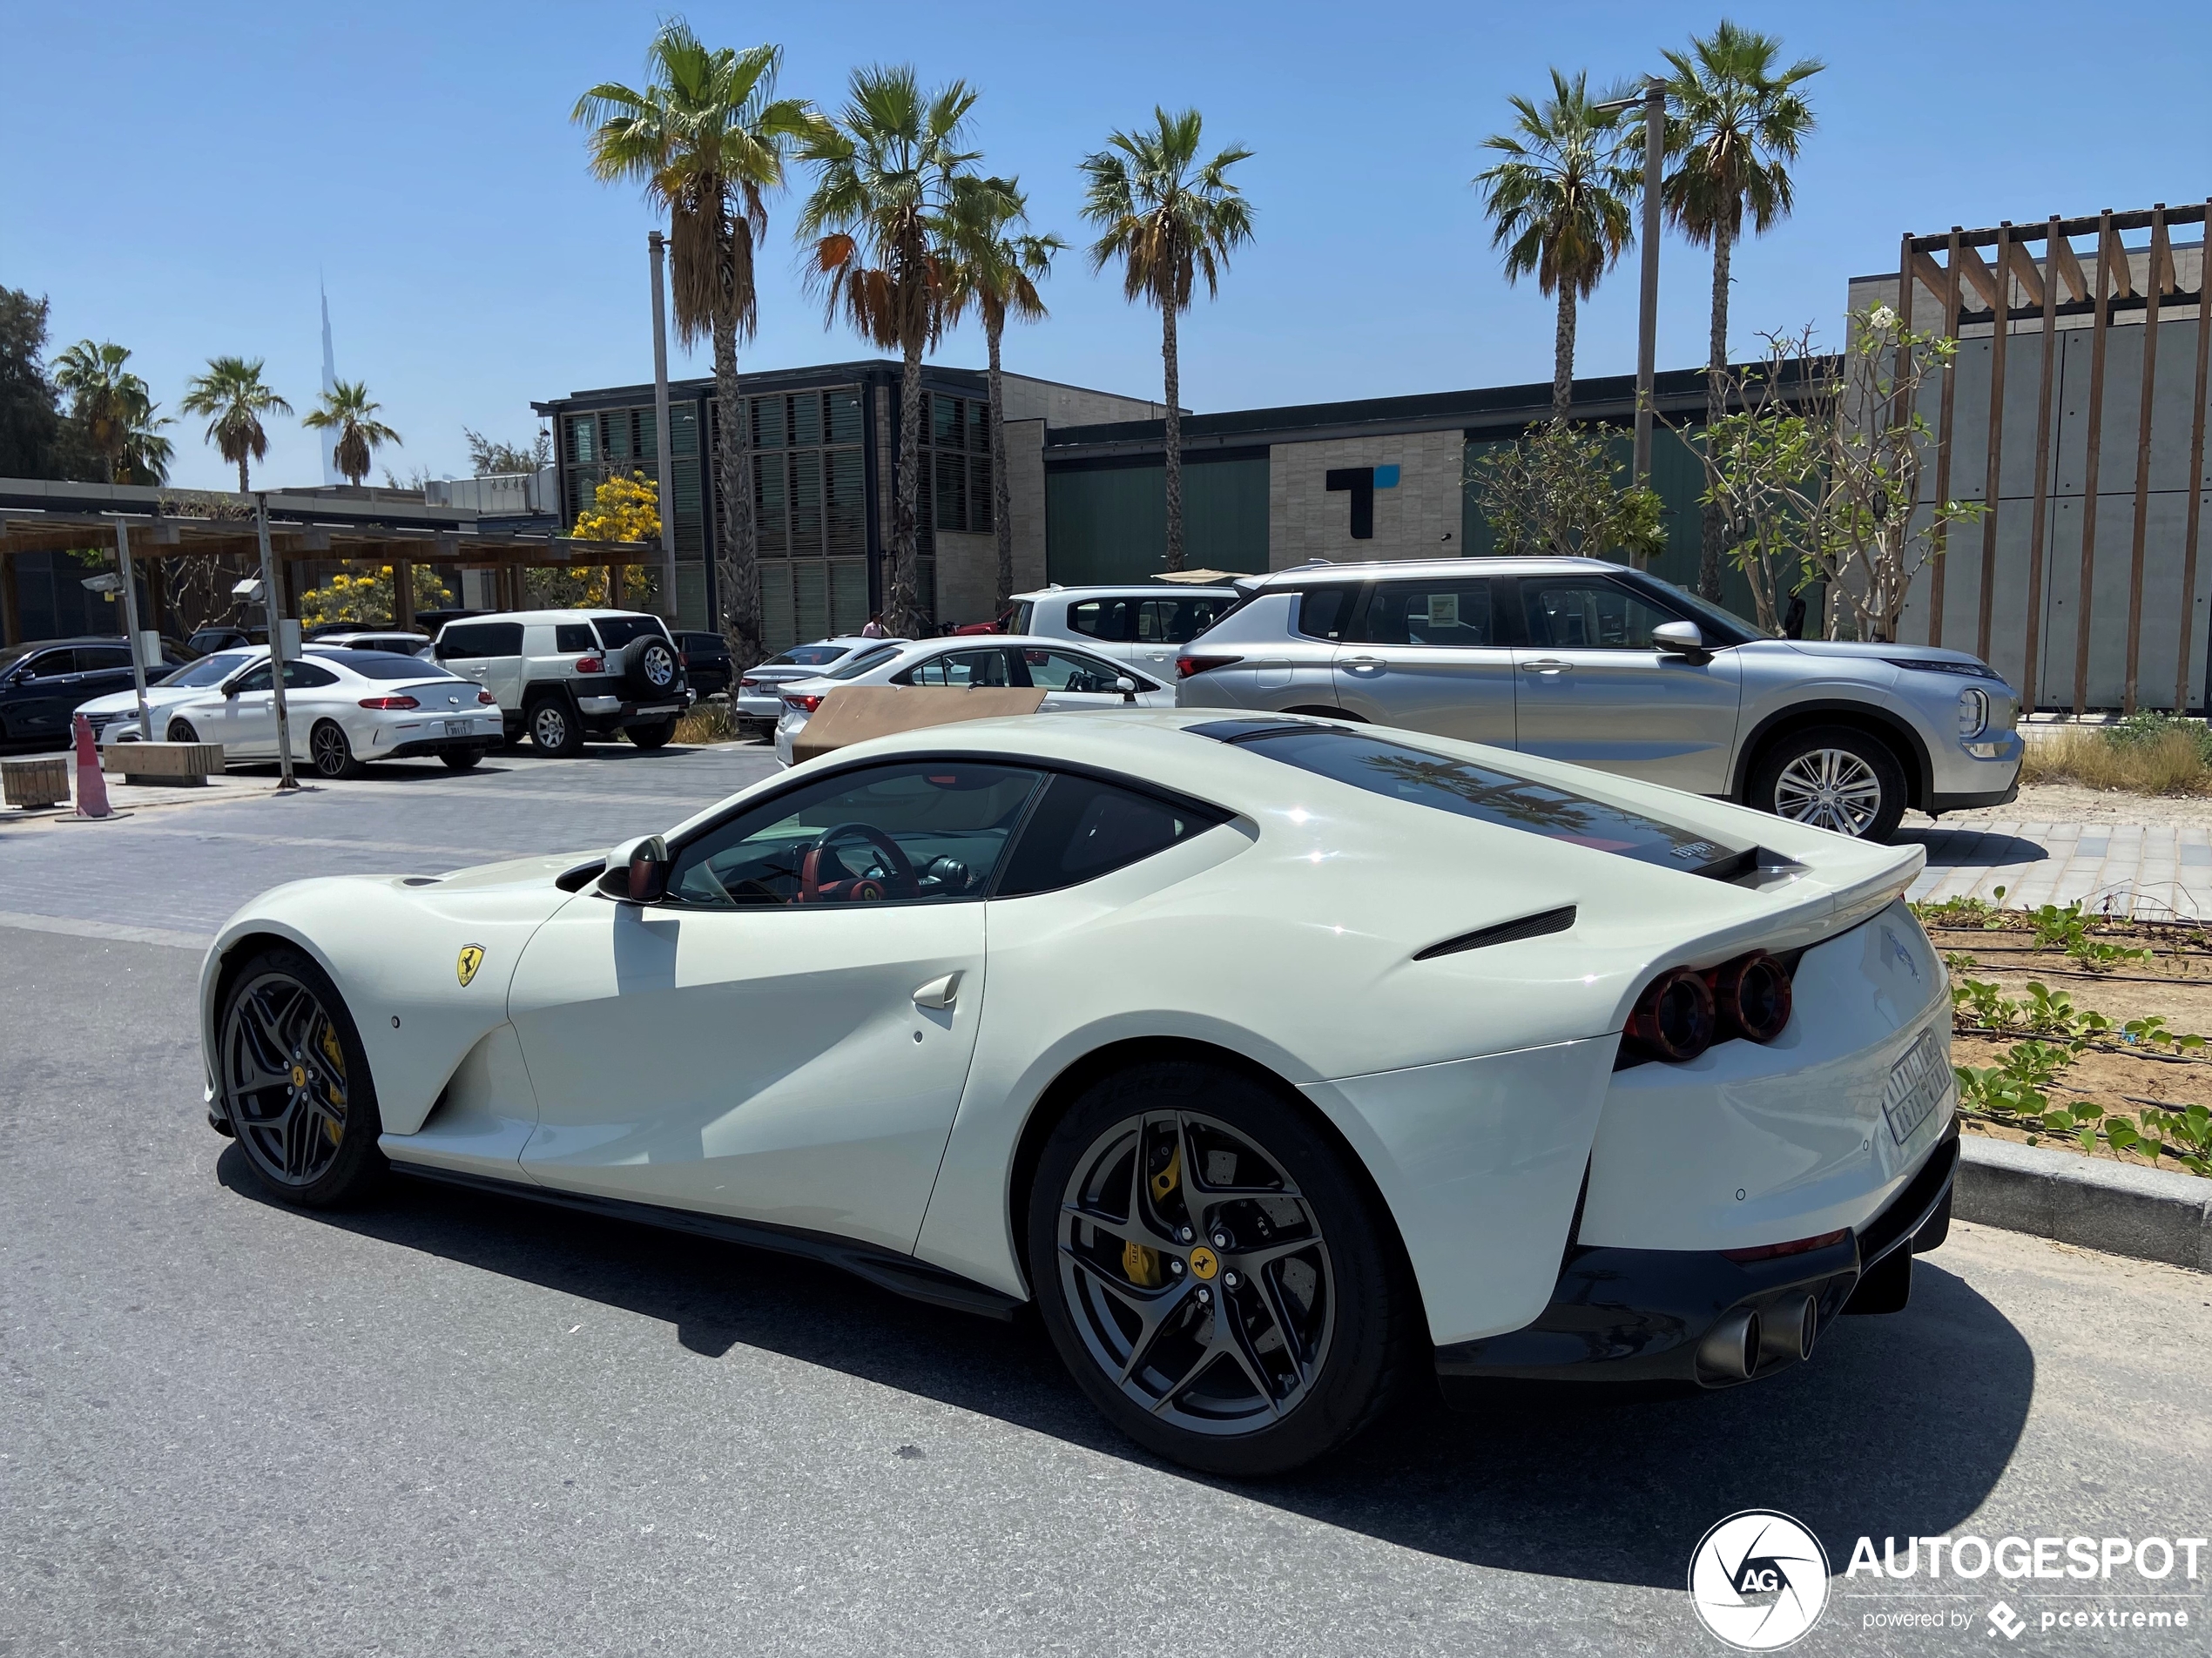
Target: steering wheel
{"type": "Point", "coordinates": [901, 882]}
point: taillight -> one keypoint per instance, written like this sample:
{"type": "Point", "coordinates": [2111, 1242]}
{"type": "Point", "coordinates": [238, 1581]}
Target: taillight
{"type": "Point", "coordinates": [805, 704]}
{"type": "Point", "coordinates": [1186, 666]}
{"type": "Point", "coordinates": [391, 701]}
{"type": "Point", "coordinates": [748, 685]}
{"type": "Point", "coordinates": [487, 699]}
{"type": "Point", "coordinates": [591, 664]}
{"type": "Point", "coordinates": [1673, 1019]}
{"type": "Point", "coordinates": [1751, 996]}
{"type": "Point", "coordinates": [683, 657]}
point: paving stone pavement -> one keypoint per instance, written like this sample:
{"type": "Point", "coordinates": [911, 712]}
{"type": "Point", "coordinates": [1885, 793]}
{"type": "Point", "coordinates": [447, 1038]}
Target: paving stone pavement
{"type": "Point", "coordinates": [2158, 872]}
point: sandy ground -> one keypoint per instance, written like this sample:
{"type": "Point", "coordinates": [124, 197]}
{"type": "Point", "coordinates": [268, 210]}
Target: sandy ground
{"type": "Point", "coordinates": [2066, 803]}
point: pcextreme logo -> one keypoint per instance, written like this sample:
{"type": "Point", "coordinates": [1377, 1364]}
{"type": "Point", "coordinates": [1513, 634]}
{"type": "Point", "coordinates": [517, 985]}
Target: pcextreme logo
{"type": "Point", "coordinates": [1759, 1580]}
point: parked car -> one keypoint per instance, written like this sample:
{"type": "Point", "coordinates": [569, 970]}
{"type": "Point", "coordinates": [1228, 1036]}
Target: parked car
{"type": "Point", "coordinates": [1576, 659]}
{"type": "Point", "coordinates": [757, 698]}
{"type": "Point", "coordinates": [707, 662]}
{"type": "Point", "coordinates": [1142, 625]}
{"type": "Point", "coordinates": [560, 674]}
{"type": "Point", "coordinates": [343, 709]}
{"type": "Point", "coordinates": [114, 718]}
{"type": "Point", "coordinates": [1277, 1062]}
{"type": "Point", "coordinates": [1071, 678]}
{"type": "Point", "coordinates": [353, 638]}
{"type": "Point", "coordinates": [44, 683]}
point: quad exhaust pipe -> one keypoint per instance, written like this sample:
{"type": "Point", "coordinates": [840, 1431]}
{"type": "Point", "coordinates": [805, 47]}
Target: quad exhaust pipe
{"type": "Point", "coordinates": [1735, 1348]}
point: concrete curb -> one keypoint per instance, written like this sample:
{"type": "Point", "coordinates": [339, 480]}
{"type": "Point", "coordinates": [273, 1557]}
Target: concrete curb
{"type": "Point", "coordinates": [2151, 1214]}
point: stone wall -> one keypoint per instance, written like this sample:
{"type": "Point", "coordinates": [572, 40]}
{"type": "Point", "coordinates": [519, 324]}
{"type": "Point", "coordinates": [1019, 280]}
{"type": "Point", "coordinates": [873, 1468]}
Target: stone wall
{"type": "Point", "coordinates": [1420, 518]}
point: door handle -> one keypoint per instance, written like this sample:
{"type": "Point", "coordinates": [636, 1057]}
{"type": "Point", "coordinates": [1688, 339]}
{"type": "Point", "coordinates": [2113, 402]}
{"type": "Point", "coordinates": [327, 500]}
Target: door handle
{"type": "Point", "coordinates": [939, 993]}
{"type": "Point", "coordinates": [1366, 662]}
{"type": "Point", "coordinates": [1548, 665]}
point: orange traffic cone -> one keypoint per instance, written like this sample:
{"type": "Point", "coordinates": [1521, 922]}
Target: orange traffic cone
{"type": "Point", "coordinates": [91, 787]}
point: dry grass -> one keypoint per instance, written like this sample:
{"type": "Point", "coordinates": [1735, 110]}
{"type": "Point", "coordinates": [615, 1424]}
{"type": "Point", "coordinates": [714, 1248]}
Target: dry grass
{"type": "Point", "coordinates": [2171, 761]}
{"type": "Point", "coordinates": [708, 722]}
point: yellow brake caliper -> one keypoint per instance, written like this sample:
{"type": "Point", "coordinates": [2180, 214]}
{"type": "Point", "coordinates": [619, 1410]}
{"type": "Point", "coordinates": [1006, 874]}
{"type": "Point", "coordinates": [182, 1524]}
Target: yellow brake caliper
{"type": "Point", "coordinates": [1142, 1264]}
{"type": "Point", "coordinates": [336, 1055]}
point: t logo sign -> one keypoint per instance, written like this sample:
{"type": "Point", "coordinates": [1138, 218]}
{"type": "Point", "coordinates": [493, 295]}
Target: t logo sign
{"type": "Point", "coordinates": [1362, 482]}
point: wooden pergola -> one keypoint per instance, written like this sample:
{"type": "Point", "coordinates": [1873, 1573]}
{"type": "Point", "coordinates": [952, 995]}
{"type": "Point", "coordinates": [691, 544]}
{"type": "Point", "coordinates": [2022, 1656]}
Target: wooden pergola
{"type": "Point", "coordinates": [160, 524]}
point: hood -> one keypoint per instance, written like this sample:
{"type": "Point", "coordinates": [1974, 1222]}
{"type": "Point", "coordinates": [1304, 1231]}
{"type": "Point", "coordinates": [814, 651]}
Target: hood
{"type": "Point", "coordinates": [1859, 651]}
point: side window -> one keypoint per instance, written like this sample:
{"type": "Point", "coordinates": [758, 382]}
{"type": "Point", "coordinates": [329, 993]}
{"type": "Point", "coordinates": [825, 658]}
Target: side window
{"type": "Point", "coordinates": [52, 664]}
{"type": "Point", "coordinates": [1444, 613]}
{"type": "Point", "coordinates": [1066, 670]}
{"type": "Point", "coordinates": [959, 668]}
{"type": "Point", "coordinates": [260, 679]}
{"type": "Point", "coordinates": [1106, 619]}
{"type": "Point", "coordinates": [102, 658]}
{"type": "Point", "coordinates": [1177, 621]}
{"type": "Point", "coordinates": [1571, 614]}
{"type": "Point", "coordinates": [1084, 828]}
{"type": "Point", "coordinates": [1323, 611]}
{"type": "Point", "coordinates": [921, 832]}
{"type": "Point", "coordinates": [300, 676]}
{"type": "Point", "coordinates": [480, 639]}
{"type": "Point", "coordinates": [573, 638]}
{"type": "Point", "coordinates": [866, 662]}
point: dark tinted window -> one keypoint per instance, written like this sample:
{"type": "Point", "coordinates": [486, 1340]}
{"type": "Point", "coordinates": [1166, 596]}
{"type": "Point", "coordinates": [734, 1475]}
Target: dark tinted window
{"type": "Point", "coordinates": [616, 631]}
{"type": "Point", "coordinates": [102, 658]}
{"type": "Point", "coordinates": [385, 664]}
{"type": "Point", "coordinates": [300, 676]}
{"type": "Point", "coordinates": [866, 662]}
{"type": "Point", "coordinates": [1084, 828]}
{"type": "Point", "coordinates": [807, 655]}
{"type": "Point", "coordinates": [1420, 777]}
{"type": "Point", "coordinates": [1110, 619]}
{"type": "Point", "coordinates": [480, 639]}
{"type": "Point", "coordinates": [913, 833]}
{"type": "Point", "coordinates": [1323, 611]}
{"type": "Point", "coordinates": [51, 665]}
{"type": "Point", "coordinates": [573, 636]}
{"type": "Point", "coordinates": [1443, 612]}
{"type": "Point", "coordinates": [1177, 621]}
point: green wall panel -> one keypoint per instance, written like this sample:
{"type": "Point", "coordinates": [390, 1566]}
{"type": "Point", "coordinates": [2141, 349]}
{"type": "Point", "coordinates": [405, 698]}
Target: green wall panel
{"type": "Point", "coordinates": [1109, 524]}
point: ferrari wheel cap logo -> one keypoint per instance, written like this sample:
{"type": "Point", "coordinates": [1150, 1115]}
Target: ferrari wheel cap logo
{"type": "Point", "coordinates": [1203, 1262]}
{"type": "Point", "coordinates": [299, 1076]}
{"type": "Point", "coordinates": [472, 957]}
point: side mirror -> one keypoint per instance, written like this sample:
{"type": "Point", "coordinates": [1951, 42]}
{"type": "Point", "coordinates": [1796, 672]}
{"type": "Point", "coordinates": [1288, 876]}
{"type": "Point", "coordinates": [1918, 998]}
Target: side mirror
{"type": "Point", "coordinates": [1679, 639]}
{"type": "Point", "coordinates": [1126, 687]}
{"type": "Point", "coordinates": [638, 870]}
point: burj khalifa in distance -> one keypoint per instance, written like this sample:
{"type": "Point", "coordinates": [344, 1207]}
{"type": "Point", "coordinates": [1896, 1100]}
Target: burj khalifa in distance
{"type": "Point", "coordinates": [329, 384]}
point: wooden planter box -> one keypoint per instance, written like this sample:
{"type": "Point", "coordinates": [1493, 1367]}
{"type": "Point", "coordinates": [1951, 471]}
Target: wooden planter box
{"type": "Point", "coordinates": [38, 780]}
{"type": "Point", "coordinates": [183, 765]}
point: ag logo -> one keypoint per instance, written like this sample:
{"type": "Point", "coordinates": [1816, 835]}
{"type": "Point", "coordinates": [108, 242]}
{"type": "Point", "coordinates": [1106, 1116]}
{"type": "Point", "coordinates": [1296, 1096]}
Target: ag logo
{"type": "Point", "coordinates": [472, 957]}
{"type": "Point", "coordinates": [1759, 1580]}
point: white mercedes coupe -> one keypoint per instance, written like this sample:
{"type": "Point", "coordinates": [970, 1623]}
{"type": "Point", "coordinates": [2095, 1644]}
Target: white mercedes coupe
{"type": "Point", "coordinates": [1278, 1062]}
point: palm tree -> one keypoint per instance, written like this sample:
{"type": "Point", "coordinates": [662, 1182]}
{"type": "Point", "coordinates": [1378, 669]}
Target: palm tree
{"type": "Point", "coordinates": [1559, 205]}
{"type": "Point", "coordinates": [232, 397]}
{"type": "Point", "coordinates": [345, 410]}
{"type": "Point", "coordinates": [707, 138]}
{"type": "Point", "coordinates": [1168, 219]}
{"type": "Point", "coordinates": [1733, 123]}
{"type": "Point", "coordinates": [997, 270]}
{"type": "Point", "coordinates": [886, 169]}
{"type": "Point", "coordinates": [116, 412]}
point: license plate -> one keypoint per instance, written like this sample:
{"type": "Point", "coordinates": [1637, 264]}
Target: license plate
{"type": "Point", "coordinates": [456, 728]}
{"type": "Point", "coordinates": [1916, 1085]}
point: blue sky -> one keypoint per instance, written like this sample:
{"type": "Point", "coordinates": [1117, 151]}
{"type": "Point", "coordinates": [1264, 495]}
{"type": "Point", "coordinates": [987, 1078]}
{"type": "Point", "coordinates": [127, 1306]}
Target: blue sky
{"type": "Point", "coordinates": [177, 177]}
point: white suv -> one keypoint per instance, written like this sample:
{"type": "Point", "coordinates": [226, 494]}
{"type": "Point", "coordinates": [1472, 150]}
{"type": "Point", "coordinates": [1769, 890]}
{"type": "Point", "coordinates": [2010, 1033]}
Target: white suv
{"type": "Point", "coordinates": [559, 675]}
{"type": "Point", "coordinates": [1142, 625]}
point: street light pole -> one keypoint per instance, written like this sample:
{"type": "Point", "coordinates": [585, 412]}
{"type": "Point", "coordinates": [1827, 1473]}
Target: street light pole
{"type": "Point", "coordinates": [664, 444]}
{"type": "Point", "coordinates": [1654, 151]}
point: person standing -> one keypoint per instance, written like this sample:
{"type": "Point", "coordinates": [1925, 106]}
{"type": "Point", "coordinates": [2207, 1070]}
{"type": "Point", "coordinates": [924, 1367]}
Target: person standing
{"type": "Point", "coordinates": [875, 629]}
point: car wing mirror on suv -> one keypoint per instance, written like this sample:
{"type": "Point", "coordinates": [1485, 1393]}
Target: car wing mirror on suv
{"type": "Point", "coordinates": [638, 870]}
{"type": "Point", "coordinates": [1680, 639]}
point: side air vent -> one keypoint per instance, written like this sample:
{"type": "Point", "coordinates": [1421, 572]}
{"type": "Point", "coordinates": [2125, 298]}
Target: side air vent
{"type": "Point", "coordinates": [1528, 926]}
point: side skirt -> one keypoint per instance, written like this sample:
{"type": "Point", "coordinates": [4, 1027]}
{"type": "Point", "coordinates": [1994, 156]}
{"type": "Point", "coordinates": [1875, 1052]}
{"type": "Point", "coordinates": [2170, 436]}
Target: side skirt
{"type": "Point", "coordinates": [901, 1274]}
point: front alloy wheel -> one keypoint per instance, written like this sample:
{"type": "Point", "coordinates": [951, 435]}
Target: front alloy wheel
{"type": "Point", "coordinates": [294, 1080]}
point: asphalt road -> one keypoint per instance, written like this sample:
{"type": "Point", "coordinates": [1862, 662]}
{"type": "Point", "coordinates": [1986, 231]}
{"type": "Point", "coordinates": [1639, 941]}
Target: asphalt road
{"type": "Point", "coordinates": [452, 1424]}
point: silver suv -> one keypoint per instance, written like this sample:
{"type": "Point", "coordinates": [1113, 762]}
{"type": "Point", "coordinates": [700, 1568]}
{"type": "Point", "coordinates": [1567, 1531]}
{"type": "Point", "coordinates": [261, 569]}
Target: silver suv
{"type": "Point", "coordinates": [1584, 661]}
{"type": "Point", "coordinates": [560, 674]}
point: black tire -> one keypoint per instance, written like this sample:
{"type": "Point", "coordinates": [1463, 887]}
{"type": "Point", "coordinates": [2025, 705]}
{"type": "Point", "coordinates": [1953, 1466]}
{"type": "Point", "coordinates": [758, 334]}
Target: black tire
{"type": "Point", "coordinates": [315, 1146]}
{"type": "Point", "coordinates": [1832, 776]}
{"type": "Point", "coordinates": [650, 669]}
{"type": "Point", "coordinates": [656, 735]}
{"type": "Point", "coordinates": [329, 752]}
{"type": "Point", "coordinates": [461, 760]}
{"type": "Point", "coordinates": [555, 729]}
{"type": "Point", "coordinates": [180, 731]}
{"type": "Point", "coordinates": [1340, 1311]}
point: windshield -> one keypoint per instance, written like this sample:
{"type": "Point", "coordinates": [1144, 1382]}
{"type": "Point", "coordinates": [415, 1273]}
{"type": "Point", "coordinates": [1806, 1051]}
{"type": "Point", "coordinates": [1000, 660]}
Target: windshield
{"type": "Point", "coordinates": [808, 656]}
{"type": "Point", "coordinates": [385, 664]}
{"type": "Point", "coordinates": [865, 662]}
{"type": "Point", "coordinates": [1466, 790]}
{"type": "Point", "coordinates": [209, 670]}
{"type": "Point", "coordinates": [1719, 626]}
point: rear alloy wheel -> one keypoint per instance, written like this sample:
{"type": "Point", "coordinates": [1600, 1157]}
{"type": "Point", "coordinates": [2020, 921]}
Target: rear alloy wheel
{"type": "Point", "coordinates": [295, 1084]}
{"type": "Point", "coordinates": [656, 735]}
{"type": "Point", "coordinates": [1222, 1288]}
{"type": "Point", "coordinates": [330, 753]}
{"type": "Point", "coordinates": [1832, 777]}
{"type": "Point", "coordinates": [553, 728]}
{"type": "Point", "coordinates": [180, 731]}
{"type": "Point", "coordinates": [461, 760]}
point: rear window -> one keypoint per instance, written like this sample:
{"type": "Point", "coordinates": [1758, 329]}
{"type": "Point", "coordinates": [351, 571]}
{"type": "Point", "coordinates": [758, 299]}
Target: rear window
{"type": "Point", "coordinates": [1466, 790]}
{"type": "Point", "coordinates": [98, 659]}
{"type": "Point", "coordinates": [866, 661]}
{"type": "Point", "coordinates": [386, 664]}
{"type": "Point", "coordinates": [480, 639]}
{"type": "Point", "coordinates": [616, 631]}
{"type": "Point", "coordinates": [1177, 621]}
{"type": "Point", "coordinates": [808, 656]}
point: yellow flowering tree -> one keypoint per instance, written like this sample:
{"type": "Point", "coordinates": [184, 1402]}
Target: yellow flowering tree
{"type": "Point", "coordinates": [352, 597]}
{"type": "Point", "coordinates": [622, 510]}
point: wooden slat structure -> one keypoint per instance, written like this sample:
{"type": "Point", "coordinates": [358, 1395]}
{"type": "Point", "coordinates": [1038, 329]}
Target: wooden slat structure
{"type": "Point", "coordinates": [163, 523]}
{"type": "Point", "coordinates": [2008, 280]}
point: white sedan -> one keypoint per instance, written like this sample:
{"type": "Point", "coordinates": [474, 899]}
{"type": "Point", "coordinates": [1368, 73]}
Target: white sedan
{"type": "Point", "coordinates": [344, 708]}
{"type": "Point", "coordinates": [1071, 678]}
{"type": "Point", "coordinates": [1275, 1060]}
